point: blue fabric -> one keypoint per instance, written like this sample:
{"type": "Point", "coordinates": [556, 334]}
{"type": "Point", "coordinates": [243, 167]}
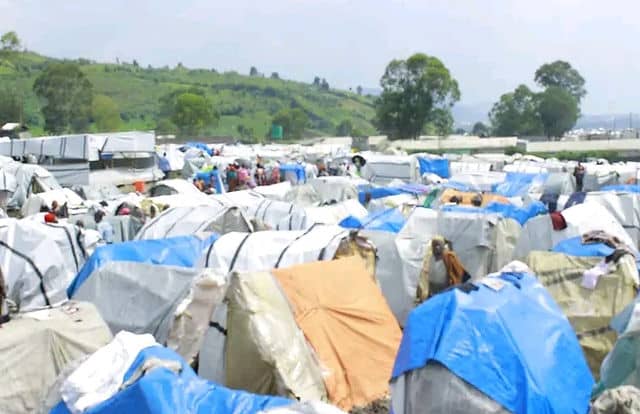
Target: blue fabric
{"type": "Point", "coordinates": [298, 169]}
{"type": "Point", "coordinates": [457, 186]}
{"type": "Point", "coordinates": [518, 184]}
{"type": "Point", "coordinates": [575, 199]}
{"type": "Point", "coordinates": [574, 247]}
{"type": "Point", "coordinates": [390, 220]}
{"type": "Point", "coordinates": [382, 192]}
{"type": "Point", "coordinates": [164, 165]}
{"type": "Point", "coordinates": [200, 146]}
{"type": "Point", "coordinates": [182, 251]}
{"type": "Point", "coordinates": [521, 215]}
{"type": "Point", "coordinates": [207, 175]}
{"type": "Point", "coordinates": [438, 166]}
{"type": "Point", "coordinates": [629, 188]}
{"type": "Point", "coordinates": [515, 345]}
{"type": "Point", "coordinates": [161, 391]}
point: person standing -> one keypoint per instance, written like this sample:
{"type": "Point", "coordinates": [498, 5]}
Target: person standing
{"type": "Point", "coordinates": [164, 165]}
{"type": "Point", "coordinates": [104, 227]}
{"type": "Point", "coordinates": [579, 173]}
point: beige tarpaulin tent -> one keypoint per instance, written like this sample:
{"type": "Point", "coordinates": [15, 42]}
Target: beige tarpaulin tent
{"type": "Point", "coordinates": [348, 323]}
{"type": "Point", "coordinates": [589, 311]}
{"type": "Point", "coordinates": [36, 346]}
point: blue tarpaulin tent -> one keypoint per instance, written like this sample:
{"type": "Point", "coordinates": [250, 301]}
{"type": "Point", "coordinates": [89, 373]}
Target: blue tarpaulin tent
{"type": "Point", "coordinates": [519, 214]}
{"type": "Point", "coordinates": [575, 247]}
{"type": "Point", "coordinates": [182, 251]}
{"type": "Point", "coordinates": [382, 192]}
{"type": "Point", "coordinates": [163, 391]}
{"type": "Point", "coordinates": [511, 341]}
{"type": "Point", "coordinates": [438, 166]}
{"type": "Point", "coordinates": [518, 184]}
{"type": "Point", "coordinates": [297, 169]}
{"type": "Point", "coordinates": [390, 220]}
{"type": "Point", "coordinates": [207, 176]}
{"type": "Point", "coordinates": [199, 145]}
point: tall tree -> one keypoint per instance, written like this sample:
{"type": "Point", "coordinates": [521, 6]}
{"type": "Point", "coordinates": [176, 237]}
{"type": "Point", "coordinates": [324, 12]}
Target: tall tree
{"type": "Point", "coordinates": [293, 122]}
{"type": "Point", "coordinates": [516, 114]}
{"type": "Point", "coordinates": [359, 90]}
{"type": "Point", "coordinates": [316, 81]}
{"type": "Point", "coordinates": [562, 75]}
{"type": "Point", "coordinates": [106, 114]}
{"type": "Point", "coordinates": [412, 90]}
{"type": "Point", "coordinates": [66, 96]}
{"type": "Point", "coordinates": [193, 113]}
{"type": "Point", "coordinates": [442, 121]}
{"type": "Point", "coordinates": [10, 41]}
{"type": "Point", "coordinates": [275, 75]}
{"type": "Point", "coordinates": [324, 85]}
{"type": "Point", "coordinates": [10, 106]}
{"type": "Point", "coordinates": [480, 129]}
{"type": "Point", "coordinates": [253, 71]}
{"type": "Point", "coordinates": [345, 128]}
{"type": "Point", "coordinates": [558, 111]}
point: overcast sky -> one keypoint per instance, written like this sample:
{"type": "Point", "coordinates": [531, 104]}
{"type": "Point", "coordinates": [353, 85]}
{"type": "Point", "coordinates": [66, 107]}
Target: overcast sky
{"type": "Point", "coordinates": [489, 45]}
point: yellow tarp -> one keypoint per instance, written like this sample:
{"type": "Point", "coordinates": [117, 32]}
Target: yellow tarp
{"type": "Point", "coordinates": [467, 197]}
{"type": "Point", "coordinates": [348, 323]}
{"type": "Point", "coordinates": [589, 311]}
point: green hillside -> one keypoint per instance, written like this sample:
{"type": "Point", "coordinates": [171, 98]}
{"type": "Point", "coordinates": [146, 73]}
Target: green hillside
{"type": "Point", "coordinates": [240, 100]}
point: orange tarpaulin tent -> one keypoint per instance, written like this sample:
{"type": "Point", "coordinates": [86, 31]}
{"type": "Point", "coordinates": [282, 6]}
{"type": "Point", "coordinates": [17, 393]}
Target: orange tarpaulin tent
{"type": "Point", "coordinates": [347, 321]}
{"type": "Point", "coordinates": [467, 197]}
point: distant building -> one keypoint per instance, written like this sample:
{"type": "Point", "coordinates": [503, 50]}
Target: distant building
{"type": "Point", "coordinates": [15, 130]}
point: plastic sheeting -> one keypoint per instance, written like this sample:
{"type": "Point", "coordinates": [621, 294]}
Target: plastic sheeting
{"type": "Point", "coordinates": [628, 188]}
{"type": "Point", "coordinates": [161, 390]}
{"type": "Point", "coordinates": [589, 310]}
{"type": "Point", "coordinates": [438, 166]}
{"type": "Point", "coordinates": [38, 261]}
{"type": "Point", "coordinates": [36, 346]}
{"type": "Point", "coordinates": [519, 214]}
{"type": "Point", "coordinates": [194, 220]}
{"type": "Point", "coordinates": [349, 325]}
{"type": "Point", "coordinates": [277, 214]}
{"type": "Point", "coordinates": [390, 220]}
{"type": "Point", "coordinates": [518, 184]}
{"type": "Point", "coordinates": [177, 251]}
{"type": "Point", "coordinates": [575, 247]}
{"type": "Point", "coordinates": [524, 373]}
{"type": "Point", "coordinates": [266, 352]}
{"type": "Point", "coordinates": [381, 192]}
{"type": "Point", "coordinates": [294, 173]}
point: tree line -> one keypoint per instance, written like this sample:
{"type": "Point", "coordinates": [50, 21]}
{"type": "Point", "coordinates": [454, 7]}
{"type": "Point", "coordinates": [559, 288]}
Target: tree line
{"type": "Point", "coordinates": [417, 96]}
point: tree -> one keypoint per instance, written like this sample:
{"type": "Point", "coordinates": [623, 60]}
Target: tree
{"type": "Point", "coordinates": [66, 96]}
{"type": "Point", "coordinates": [562, 75]}
{"type": "Point", "coordinates": [253, 71]}
{"type": "Point", "coordinates": [135, 64]}
{"type": "Point", "coordinates": [480, 130]}
{"type": "Point", "coordinates": [165, 127]}
{"type": "Point", "coordinates": [324, 85]}
{"type": "Point", "coordinates": [10, 41]}
{"type": "Point", "coordinates": [275, 75]}
{"type": "Point", "coordinates": [245, 132]}
{"type": "Point", "coordinates": [412, 90]}
{"type": "Point", "coordinates": [516, 114]}
{"type": "Point", "coordinates": [345, 128]}
{"type": "Point", "coordinates": [316, 81]}
{"type": "Point", "coordinates": [10, 106]}
{"type": "Point", "coordinates": [359, 90]}
{"type": "Point", "coordinates": [558, 111]}
{"type": "Point", "coordinates": [293, 121]}
{"type": "Point", "coordinates": [105, 113]}
{"type": "Point", "coordinates": [193, 113]}
{"type": "Point", "coordinates": [460, 131]}
{"type": "Point", "coordinates": [442, 121]}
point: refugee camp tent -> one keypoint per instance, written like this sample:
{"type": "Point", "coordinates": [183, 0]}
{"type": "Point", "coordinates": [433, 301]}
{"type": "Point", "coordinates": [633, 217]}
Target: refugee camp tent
{"type": "Point", "coordinates": [332, 213]}
{"type": "Point", "coordinates": [382, 169]}
{"type": "Point", "coordinates": [125, 228]}
{"type": "Point", "coordinates": [589, 310]}
{"type": "Point", "coordinates": [277, 214]}
{"type": "Point", "coordinates": [39, 261]}
{"type": "Point", "coordinates": [352, 332]}
{"type": "Point", "coordinates": [35, 202]}
{"type": "Point", "coordinates": [194, 219]}
{"type": "Point", "coordinates": [538, 233]}
{"type": "Point", "coordinates": [275, 191]}
{"type": "Point", "coordinates": [622, 365]}
{"type": "Point", "coordinates": [337, 188]}
{"type": "Point", "coordinates": [138, 285]}
{"type": "Point", "coordinates": [37, 345]}
{"type": "Point", "coordinates": [137, 375]}
{"type": "Point", "coordinates": [467, 197]}
{"type": "Point", "coordinates": [507, 368]}
{"type": "Point", "coordinates": [30, 179]}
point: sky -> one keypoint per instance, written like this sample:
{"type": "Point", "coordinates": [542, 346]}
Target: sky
{"type": "Point", "coordinates": [490, 46]}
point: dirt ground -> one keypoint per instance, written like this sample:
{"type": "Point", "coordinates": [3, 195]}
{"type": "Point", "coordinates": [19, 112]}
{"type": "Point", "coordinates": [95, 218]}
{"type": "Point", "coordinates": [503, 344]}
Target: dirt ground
{"type": "Point", "coordinates": [377, 407]}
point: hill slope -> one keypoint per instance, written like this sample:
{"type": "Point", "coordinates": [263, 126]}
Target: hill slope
{"type": "Point", "coordinates": [241, 100]}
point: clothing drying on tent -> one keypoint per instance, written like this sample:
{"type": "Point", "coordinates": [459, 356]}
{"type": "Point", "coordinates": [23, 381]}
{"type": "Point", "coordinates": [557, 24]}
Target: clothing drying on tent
{"type": "Point", "coordinates": [508, 369]}
{"type": "Point", "coordinates": [590, 291]}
